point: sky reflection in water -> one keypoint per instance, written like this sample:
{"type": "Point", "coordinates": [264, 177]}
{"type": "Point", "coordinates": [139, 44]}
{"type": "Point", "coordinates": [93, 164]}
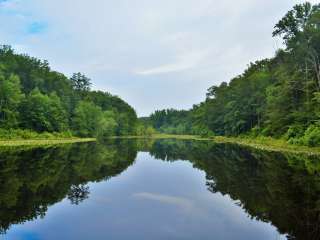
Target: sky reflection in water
{"type": "Point", "coordinates": [151, 199]}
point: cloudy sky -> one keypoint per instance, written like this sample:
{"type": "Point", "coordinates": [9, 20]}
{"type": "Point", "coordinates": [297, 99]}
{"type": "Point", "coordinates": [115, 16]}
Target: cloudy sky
{"type": "Point", "coordinates": [153, 53]}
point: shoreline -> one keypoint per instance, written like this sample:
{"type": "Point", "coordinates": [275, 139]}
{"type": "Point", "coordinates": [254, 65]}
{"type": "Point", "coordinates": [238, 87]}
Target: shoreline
{"type": "Point", "coordinates": [42, 142]}
{"type": "Point", "coordinates": [266, 144]}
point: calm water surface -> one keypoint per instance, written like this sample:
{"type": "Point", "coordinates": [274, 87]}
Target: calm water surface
{"type": "Point", "coordinates": [166, 189]}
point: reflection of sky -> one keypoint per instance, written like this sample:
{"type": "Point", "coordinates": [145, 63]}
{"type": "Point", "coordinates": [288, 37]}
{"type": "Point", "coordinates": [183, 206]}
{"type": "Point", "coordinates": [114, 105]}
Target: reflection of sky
{"type": "Point", "coordinates": [150, 200]}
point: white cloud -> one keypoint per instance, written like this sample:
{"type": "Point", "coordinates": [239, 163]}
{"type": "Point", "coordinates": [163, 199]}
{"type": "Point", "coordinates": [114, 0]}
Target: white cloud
{"type": "Point", "coordinates": [184, 62]}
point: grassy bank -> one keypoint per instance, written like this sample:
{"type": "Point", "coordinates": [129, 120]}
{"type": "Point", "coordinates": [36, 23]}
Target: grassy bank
{"type": "Point", "coordinates": [269, 144]}
{"type": "Point", "coordinates": [18, 137]}
{"type": "Point", "coordinates": [42, 142]}
{"type": "Point", "coordinates": [263, 143]}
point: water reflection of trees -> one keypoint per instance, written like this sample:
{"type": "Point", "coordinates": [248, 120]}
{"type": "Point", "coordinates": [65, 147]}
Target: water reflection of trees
{"type": "Point", "coordinates": [283, 189]}
{"type": "Point", "coordinates": [32, 180]}
{"type": "Point", "coordinates": [78, 194]}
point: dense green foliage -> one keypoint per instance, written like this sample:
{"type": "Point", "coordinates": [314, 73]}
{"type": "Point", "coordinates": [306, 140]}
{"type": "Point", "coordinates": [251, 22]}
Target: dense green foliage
{"type": "Point", "coordinates": [171, 121]}
{"type": "Point", "coordinates": [276, 97]}
{"type": "Point", "coordinates": [33, 97]}
{"type": "Point", "coordinates": [25, 134]}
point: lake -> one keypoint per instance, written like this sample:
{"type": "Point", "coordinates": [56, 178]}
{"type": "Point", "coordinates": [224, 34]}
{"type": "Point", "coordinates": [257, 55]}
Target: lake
{"type": "Point", "coordinates": [158, 189]}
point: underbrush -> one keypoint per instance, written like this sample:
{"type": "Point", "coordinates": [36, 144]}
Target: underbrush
{"type": "Point", "coordinates": [19, 134]}
{"type": "Point", "coordinates": [310, 137]}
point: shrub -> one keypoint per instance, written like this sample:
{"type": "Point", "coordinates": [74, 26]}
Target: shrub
{"type": "Point", "coordinates": [255, 132]}
{"type": "Point", "coordinates": [295, 131]}
{"type": "Point", "coordinates": [29, 134]}
{"type": "Point", "coordinates": [312, 136]}
{"type": "Point", "coordinates": [207, 134]}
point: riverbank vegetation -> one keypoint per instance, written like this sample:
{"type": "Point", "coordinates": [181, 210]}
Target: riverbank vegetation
{"type": "Point", "coordinates": [19, 134]}
{"type": "Point", "coordinates": [19, 137]}
{"type": "Point", "coordinates": [277, 97]}
{"type": "Point", "coordinates": [43, 142]}
{"type": "Point", "coordinates": [262, 143]}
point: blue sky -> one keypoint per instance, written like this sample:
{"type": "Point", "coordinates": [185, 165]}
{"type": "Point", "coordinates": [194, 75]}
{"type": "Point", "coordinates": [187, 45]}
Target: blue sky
{"type": "Point", "coordinates": [36, 28]}
{"type": "Point", "coordinates": [154, 54]}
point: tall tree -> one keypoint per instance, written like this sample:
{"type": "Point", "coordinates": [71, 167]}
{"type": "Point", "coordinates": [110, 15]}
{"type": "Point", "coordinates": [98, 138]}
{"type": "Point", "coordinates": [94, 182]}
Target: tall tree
{"type": "Point", "coordinates": [41, 112]}
{"type": "Point", "coordinates": [80, 82]}
{"type": "Point", "coordinates": [10, 99]}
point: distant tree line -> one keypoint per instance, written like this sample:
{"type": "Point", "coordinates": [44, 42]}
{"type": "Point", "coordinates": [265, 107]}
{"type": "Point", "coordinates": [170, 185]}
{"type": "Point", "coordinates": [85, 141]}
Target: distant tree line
{"type": "Point", "coordinates": [34, 97]}
{"type": "Point", "coordinates": [278, 97]}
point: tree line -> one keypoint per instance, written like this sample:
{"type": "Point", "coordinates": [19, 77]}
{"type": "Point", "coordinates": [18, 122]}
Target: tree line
{"type": "Point", "coordinates": [277, 97]}
{"type": "Point", "coordinates": [34, 97]}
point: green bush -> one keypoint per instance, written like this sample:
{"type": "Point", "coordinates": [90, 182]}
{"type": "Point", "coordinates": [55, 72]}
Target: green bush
{"type": "Point", "coordinates": [295, 131]}
{"type": "Point", "coordinates": [207, 134]}
{"type": "Point", "coordinates": [312, 136]}
{"type": "Point", "coordinates": [266, 131]}
{"type": "Point", "coordinates": [255, 132]}
{"type": "Point", "coordinates": [12, 134]}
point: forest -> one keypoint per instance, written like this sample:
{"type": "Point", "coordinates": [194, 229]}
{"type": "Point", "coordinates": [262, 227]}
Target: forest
{"type": "Point", "coordinates": [277, 97]}
{"type": "Point", "coordinates": [35, 99]}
